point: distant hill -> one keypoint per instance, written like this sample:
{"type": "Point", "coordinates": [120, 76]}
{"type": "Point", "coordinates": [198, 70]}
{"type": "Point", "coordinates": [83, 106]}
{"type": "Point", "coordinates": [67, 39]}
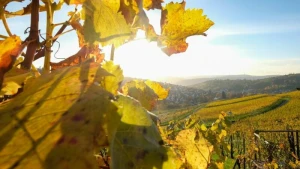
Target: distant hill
{"type": "Point", "coordinates": [276, 84]}
{"type": "Point", "coordinates": [200, 79]}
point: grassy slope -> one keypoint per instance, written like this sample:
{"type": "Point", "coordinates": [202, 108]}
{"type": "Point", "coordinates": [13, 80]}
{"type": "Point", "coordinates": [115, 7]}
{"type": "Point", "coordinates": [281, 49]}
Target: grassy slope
{"type": "Point", "coordinates": [287, 114]}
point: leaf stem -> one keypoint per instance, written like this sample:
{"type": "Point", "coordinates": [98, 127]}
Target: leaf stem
{"type": "Point", "coordinates": [5, 23]}
{"type": "Point", "coordinates": [112, 52]}
{"type": "Point", "coordinates": [49, 31]}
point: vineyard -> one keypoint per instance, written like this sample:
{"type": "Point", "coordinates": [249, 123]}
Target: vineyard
{"type": "Point", "coordinates": [285, 115]}
{"type": "Point", "coordinates": [264, 130]}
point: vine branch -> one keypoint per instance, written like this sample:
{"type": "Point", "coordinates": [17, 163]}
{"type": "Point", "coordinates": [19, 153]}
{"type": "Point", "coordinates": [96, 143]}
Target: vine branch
{"type": "Point", "coordinates": [33, 35]}
{"type": "Point", "coordinates": [49, 31]}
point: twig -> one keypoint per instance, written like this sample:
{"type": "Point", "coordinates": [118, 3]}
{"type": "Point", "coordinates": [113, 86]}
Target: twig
{"type": "Point", "coordinates": [5, 23]}
{"type": "Point", "coordinates": [56, 36]}
{"type": "Point", "coordinates": [3, 36]}
{"type": "Point", "coordinates": [41, 52]}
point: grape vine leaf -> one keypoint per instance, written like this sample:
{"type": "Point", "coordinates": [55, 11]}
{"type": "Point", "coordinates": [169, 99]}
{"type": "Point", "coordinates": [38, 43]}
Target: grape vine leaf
{"type": "Point", "coordinates": [147, 93]}
{"type": "Point", "coordinates": [112, 83]}
{"type": "Point", "coordinates": [58, 121]}
{"type": "Point", "coordinates": [161, 92]}
{"type": "Point", "coordinates": [104, 24]}
{"type": "Point", "coordinates": [193, 148]}
{"type": "Point", "coordinates": [10, 50]}
{"type": "Point", "coordinates": [137, 143]}
{"type": "Point", "coordinates": [177, 24]}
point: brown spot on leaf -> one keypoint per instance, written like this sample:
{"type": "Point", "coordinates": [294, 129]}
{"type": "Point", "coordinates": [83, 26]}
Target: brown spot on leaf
{"type": "Point", "coordinates": [144, 130]}
{"type": "Point", "coordinates": [92, 75]}
{"type": "Point", "coordinates": [141, 155]}
{"type": "Point", "coordinates": [37, 103]}
{"type": "Point", "coordinates": [77, 117]}
{"type": "Point", "coordinates": [73, 141]}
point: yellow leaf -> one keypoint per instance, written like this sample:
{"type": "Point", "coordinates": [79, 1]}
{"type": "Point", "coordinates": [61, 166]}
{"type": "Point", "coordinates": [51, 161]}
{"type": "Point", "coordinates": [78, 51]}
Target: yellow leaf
{"type": "Point", "coordinates": [104, 24]}
{"type": "Point", "coordinates": [195, 152]}
{"type": "Point", "coordinates": [112, 83]}
{"type": "Point", "coordinates": [9, 88]}
{"type": "Point", "coordinates": [140, 91]}
{"type": "Point", "coordinates": [10, 49]}
{"type": "Point", "coordinates": [203, 127]}
{"type": "Point", "coordinates": [178, 24]}
{"type": "Point", "coordinates": [158, 89]}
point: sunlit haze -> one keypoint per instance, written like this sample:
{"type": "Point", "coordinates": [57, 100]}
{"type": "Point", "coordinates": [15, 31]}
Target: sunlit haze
{"type": "Point", "coordinates": [249, 37]}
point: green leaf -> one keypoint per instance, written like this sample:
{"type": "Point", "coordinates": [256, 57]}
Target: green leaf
{"type": "Point", "coordinates": [137, 143]}
{"type": "Point", "coordinates": [178, 24]}
{"type": "Point", "coordinates": [104, 24]}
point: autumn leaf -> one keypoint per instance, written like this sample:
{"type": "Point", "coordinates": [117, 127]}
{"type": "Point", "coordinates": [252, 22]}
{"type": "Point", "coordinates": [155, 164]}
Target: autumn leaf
{"type": "Point", "coordinates": [193, 148]}
{"type": "Point", "coordinates": [10, 49]}
{"type": "Point", "coordinates": [147, 93]}
{"type": "Point", "coordinates": [76, 25]}
{"type": "Point", "coordinates": [112, 83]}
{"type": "Point", "coordinates": [104, 24]}
{"type": "Point", "coordinates": [161, 92]}
{"type": "Point", "coordinates": [177, 24]}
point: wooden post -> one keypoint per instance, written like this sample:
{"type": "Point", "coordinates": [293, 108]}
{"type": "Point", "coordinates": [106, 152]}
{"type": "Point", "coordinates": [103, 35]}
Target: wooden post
{"type": "Point", "coordinates": [297, 142]}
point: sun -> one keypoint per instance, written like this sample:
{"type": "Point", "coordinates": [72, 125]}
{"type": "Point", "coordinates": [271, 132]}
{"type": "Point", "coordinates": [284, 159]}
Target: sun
{"type": "Point", "coordinates": [141, 59]}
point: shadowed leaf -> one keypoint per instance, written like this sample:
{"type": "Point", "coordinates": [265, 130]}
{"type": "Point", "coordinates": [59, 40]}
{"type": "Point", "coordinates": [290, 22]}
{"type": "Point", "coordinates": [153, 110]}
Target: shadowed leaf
{"type": "Point", "coordinates": [139, 90]}
{"type": "Point", "coordinates": [136, 144]}
{"type": "Point", "coordinates": [58, 121]}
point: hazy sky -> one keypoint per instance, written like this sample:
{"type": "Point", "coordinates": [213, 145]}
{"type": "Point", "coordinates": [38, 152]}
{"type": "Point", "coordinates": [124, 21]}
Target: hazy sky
{"type": "Point", "coordinates": [249, 37]}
